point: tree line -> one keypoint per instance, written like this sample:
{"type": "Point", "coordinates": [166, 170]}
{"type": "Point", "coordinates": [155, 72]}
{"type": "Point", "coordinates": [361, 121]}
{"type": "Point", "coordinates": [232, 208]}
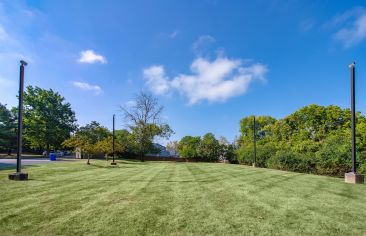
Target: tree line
{"type": "Point", "coordinates": [49, 123]}
{"type": "Point", "coordinates": [206, 148]}
{"type": "Point", "coordinates": [314, 139]}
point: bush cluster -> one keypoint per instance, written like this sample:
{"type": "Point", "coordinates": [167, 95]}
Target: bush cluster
{"type": "Point", "coordinates": [314, 139]}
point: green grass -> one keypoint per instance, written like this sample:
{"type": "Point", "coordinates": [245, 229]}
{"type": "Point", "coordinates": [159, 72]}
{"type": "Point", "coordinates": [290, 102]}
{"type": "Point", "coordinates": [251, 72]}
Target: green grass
{"type": "Point", "coordinates": [156, 198]}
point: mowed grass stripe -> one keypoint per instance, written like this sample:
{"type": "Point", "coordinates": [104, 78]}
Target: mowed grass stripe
{"type": "Point", "coordinates": [106, 198]}
{"type": "Point", "coordinates": [156, 198]}
{"type": "Point", "coordinates": [85, 180]}
{"type": "Point", "coordinates": [54, 201]}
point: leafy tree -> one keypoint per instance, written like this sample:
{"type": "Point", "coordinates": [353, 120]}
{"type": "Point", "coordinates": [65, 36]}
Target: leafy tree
{"type": "Point", "coordinates": [93, 132]}
{"type": "Point", "coordinates": [227, 151]}
{"type": "Point", "coordinates": [305, 129]}
{"type": "Point", "coordinates": [144, 122]}
{"type": "Point", "coordinates": [87, 137]}
{"type": "Point", "coordinates": [263, 124]}
{"type": "Point", "coordinates": [334, 157]}
{"type": "Point", "coordinates": [209, 148]}
{"type": "Point", "coordinates": [7, 129]}
{"type": "Point", "coordinates": [48, 119]}
{"type": "Point", "coordinates": [188, 146]}
{"type": "Point", "coordinates": [314, 139]}
{"type": "Point", "coordinates": [105, 146]}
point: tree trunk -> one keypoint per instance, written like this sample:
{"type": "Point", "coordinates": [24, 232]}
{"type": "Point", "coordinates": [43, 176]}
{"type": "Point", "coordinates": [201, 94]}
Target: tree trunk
{"type": "Point", "coordinates": [9, 152]}
{"type": "Point", "coordinates": [142, 157]}
{"type": "Point", "coordinates": [88, 159]}
{"type": "Point", "coordinates": [48, 149]}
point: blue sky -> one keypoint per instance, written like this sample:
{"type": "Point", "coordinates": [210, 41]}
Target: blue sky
{"type": "Point", "coordinates": [209, 62]}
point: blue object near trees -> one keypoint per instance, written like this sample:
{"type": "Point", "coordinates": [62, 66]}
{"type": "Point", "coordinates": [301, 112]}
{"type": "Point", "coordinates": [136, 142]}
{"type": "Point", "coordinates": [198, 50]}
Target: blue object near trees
{"type": "Point", "coordinates": [53, 156]}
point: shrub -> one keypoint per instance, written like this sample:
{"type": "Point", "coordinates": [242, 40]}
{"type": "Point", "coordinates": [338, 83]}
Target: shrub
{"type": "Point", "coordinates": [334, 157]}
{"type": "Point", "coordinates": [264, 152]}
{"type": "Point", "coordinates": [245, 155]}
{"type": "Point", "coordinates": [292, 161]}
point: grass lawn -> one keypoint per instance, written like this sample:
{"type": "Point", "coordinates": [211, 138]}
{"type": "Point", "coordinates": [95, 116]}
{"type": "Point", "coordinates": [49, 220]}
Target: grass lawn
{"type": "Point", "coordinates": [159, 198]}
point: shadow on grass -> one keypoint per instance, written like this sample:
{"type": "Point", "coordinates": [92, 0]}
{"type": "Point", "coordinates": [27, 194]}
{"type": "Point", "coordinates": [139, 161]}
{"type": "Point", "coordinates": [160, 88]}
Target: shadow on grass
{"type": "Point", "coordinates": [109, 166]}
{"type": "Point", "coordinates": [133, 162]}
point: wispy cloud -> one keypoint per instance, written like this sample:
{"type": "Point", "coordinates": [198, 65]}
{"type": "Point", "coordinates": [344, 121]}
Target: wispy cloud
{"type": "Point", "coordinates": [89, 87]}
{"type": "Point", "coordinates": [351, 27]}
{"type": "Point", "coordinates": [307, 24]}
{"type": "Point", "coordinates": [202, 42]}
{"type": "Point", "coordinates": [130, 103]}
{"type": "Point", "coordinates": [91, 57]}
{"type": "Point", "coordinates": [213, 81]}
{"type": "Point", "coordinates": [174, 34]}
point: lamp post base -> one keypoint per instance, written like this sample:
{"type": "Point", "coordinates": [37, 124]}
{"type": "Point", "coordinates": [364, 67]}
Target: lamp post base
{"type": "Point", "coordinates": [113, 163]}
{"type": "Point", "coordinates": [353, 178]}
{"type": "Point", "coordinates": [18, 176]}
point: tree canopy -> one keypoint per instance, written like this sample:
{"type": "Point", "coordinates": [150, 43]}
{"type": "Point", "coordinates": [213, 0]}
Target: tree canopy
{"type": "Point", "coordinates": [313, 139]}
{"type": "Point", "coordinates": [7, 129]}
{"type": "Point", "coordinates": [48, 118]}
{"type": "Point", "coordinates": [144, 121]}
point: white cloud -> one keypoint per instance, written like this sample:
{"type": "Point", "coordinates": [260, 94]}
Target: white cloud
{"type": "Point", "coordinates": [213, 81]}
{"type": "Point", "coordinates": [156, 80]}
{"type": "Point", "coordinates": [87, 86]}
{"type": "Point", "coordinates": [353, 27]}
{"type": "Point", "coordinates": [130, 103]}
{"type": "Point", "coordinates": [202, 41]}
{"type": "Point", "coordinates": [90, 57]}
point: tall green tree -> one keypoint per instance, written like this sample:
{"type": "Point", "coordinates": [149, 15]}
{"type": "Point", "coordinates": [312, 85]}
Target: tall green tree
{"type": "Point", "coordinates": [7, 129]}
{"type": "Point", "coordinates": [48, 118]}
{"type": "Point", "coordinates": [188, 147]}
{"type": "Point", "coordinates": [144, 122]}
{"type": "Point", "coordinates": [263, 124]}
{"type": "Point", "coordinates": [209, 148]}
{"type": "Point", "coordinates": [87, 139]}
{"type": "Point", "coordinates": [105, 146]}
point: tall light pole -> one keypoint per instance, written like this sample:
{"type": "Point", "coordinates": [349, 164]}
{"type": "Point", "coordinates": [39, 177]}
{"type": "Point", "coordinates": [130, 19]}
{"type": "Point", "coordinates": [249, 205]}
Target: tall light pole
{"type": "Point", "coordinates": [353, 177]}
{"type": "Point", "coordinates": [255, 142]}
{"type": "Point", "coordinates": [19, 175]}
{"type": "Point", "coordinates": [353, 116]}
{"type": "Point", "coordinates": [113, 139]}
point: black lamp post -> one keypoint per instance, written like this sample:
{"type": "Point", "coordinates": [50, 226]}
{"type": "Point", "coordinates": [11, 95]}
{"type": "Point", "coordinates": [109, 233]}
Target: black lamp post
{"type": "Point", "coordinates": [113, 139]}
{"type": "Point", "coordinates": [353, 117]}
{"type": "Point", "coordinates": [255, 142]}
{"type": "Point", "coordinates": [353, 177]}
{"type": "Point", "coordinates": [19, 175]}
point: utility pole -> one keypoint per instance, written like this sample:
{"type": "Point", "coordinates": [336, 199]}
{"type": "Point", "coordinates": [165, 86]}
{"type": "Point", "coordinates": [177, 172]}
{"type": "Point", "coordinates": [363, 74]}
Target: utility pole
{"type": "Point", "coordinates": [19, 175]}
{"type": "Point", "coordinates": [113, 139]}
{"type": "Point", "coordinates": [353, 177]}
{"type": "Point", "coordinates": [255, 142]}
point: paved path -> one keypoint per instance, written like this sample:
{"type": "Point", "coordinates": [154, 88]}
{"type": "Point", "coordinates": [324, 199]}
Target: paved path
{"type": "Point", "coordinates": [35, 161]}
{"type": "Point", "coordinates": [24, 162]}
